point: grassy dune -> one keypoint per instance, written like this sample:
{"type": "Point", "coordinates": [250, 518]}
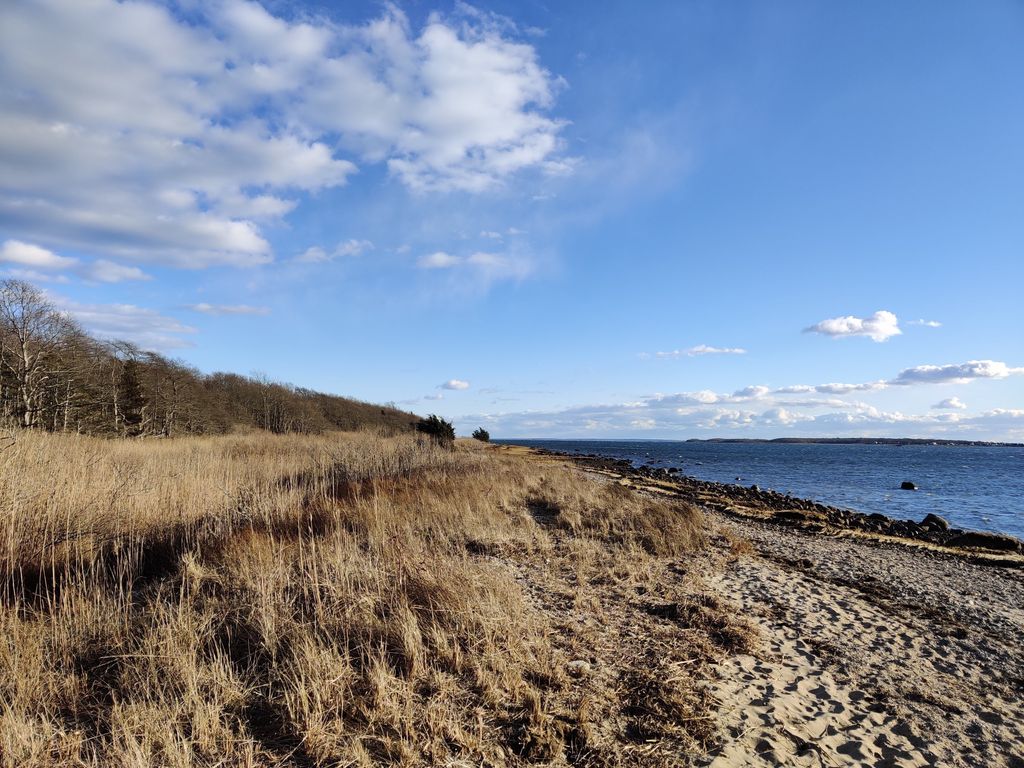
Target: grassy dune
{"type": "Point", "coordinates": [338, 600]}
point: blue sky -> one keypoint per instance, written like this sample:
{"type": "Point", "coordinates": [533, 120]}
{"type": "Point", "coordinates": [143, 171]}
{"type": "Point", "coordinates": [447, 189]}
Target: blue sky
{"type": "Point", "coordinates": [659, 219]}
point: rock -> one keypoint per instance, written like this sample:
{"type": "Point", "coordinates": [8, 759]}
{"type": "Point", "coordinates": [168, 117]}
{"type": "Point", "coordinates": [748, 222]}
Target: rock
{"type": "Point", "coordinates": [578, 668]}
{"type": "Point", "coordinates": [755, 488]}
{"type": "Point", "coordinates": [798, 516]}
{"type": "Point", "coordinates": [906, 485]}
{"type": "Point", "coordinates": [986, 541]}
{"type": "Point", "coordinates": [906, 528]}
{"type": "Point", "coordinates": [935, 522]}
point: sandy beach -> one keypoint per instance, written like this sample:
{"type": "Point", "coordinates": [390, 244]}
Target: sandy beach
{"type": "Point", "coordinates": [873, 654]}
{"type": "Point", "coordinates": [868, 649]}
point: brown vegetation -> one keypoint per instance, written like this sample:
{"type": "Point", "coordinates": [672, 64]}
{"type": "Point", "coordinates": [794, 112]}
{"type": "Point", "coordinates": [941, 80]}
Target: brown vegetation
{"type": "Point", "coordinates": [341, 600]}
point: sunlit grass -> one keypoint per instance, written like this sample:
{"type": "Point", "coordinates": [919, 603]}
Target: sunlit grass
{"type": "Point", "coordinates": [276, 600]}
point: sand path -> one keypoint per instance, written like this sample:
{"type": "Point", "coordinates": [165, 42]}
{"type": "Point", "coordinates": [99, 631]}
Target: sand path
{"type": "Point", "coordinates": [860, 667]}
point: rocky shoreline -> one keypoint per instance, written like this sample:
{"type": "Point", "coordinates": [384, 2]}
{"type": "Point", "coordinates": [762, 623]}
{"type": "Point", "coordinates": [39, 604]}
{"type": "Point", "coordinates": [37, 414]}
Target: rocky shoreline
{"type": "Point", "coordinates": [754, 502]}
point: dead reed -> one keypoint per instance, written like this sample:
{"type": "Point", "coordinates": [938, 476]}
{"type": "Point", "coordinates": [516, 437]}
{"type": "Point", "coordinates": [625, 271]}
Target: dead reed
{"type": "Point", "coordinates": [346, 599]}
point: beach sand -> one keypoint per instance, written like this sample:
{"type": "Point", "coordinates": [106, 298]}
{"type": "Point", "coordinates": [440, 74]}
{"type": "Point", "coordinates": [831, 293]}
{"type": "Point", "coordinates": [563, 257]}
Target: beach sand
{"type": "Point", "coordinates": [872, 654]}
{"type": "Point", "coordinates": [842, 647]}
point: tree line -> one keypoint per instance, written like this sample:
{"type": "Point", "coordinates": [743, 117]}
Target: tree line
{"type": "Point", "coordinates": [55, 377]}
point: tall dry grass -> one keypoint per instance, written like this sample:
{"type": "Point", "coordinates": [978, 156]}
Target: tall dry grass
{"type": "Point", "coordinates": [275, 600]}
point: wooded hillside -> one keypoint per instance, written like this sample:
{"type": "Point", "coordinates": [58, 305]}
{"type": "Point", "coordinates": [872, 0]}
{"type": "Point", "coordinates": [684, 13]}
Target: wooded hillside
{"type": "Point", "coordinates": [54, 376]}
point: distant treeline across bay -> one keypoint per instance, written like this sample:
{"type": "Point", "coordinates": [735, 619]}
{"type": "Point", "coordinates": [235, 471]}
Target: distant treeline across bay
{"type": "Point", "coordinates": [852, 441]}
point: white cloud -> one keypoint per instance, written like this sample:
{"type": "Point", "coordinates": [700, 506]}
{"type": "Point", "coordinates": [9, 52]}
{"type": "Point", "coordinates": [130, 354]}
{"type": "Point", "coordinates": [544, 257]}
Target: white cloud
{"type": "Point", "coordinates": [708, 397]}
{"type": "Point", "coordinates": [313, 255]}
{"type": "Point", "coordinates": [492, 266]}
{"type": "Point", "coordinates": [317, 255]}
{"type": "Point", "coordinates": [926, 323]}
{"type": "Point", "coordinates": [228, 309]}
{"type": "Point", "coordinates": [921, 374]}
{"type": "Point", "coordinates": [439, 260]}
{"type": "Point", "coordinates": [950, 403]}
{"type": "Point", "coordinates": [145, 327]}
{"type": "Point", "coordinates": [702, 397]}
{"type": "Point", "coordinates": [38, 258]}
{"type": "Point", "coordinates": [700, 349]}
{"type": "Point", "coordinates": [491, 235]}
{"type": "Point", "coordinates": [171, 133]}
{"type": "Point", "coordinates": [958, 372]}
{"type": "Point", "coordinates": [795, 389]}
{"type": "Point", "coordinates": [483, 268]}
{"type": "Point", "coordinates": [34, 276]}
{"type": "Point", "coordinates": [457, 384]}
{"type": "Point", "coordinates": [438, 396]}
{"type": "Point", "coordinates": [1008, 418]}
{"type": "Point", "coordinates": [33, 256]}
{"type": "Point", "coordinates": [880, 326]}
{"type": "Point", "coordinates": [782, 417]}
{"type": "Point", "coordinates": [353, 248]}
{"type": "Point", "coordinates": [104, 271]}
{"type": "Point", "coordinates": [755, 392]}
{"type": "Point", "coordinates": [843, 389]}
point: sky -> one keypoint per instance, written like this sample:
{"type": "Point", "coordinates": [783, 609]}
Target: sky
{"type": "Point", "coordinates": [576, 219]}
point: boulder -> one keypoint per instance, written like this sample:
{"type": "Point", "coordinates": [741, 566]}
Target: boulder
{"type": "Point", "coordinates": [906, 485]}
{"type": "Point", "coordinates": [984, 540]}
{"type": "Point", "coordinates": [935, 522]}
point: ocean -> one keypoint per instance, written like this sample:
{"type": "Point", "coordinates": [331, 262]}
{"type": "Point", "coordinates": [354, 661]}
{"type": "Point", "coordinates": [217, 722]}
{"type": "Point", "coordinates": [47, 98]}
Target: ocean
{"type": "Point", "coordinates": [974, 487]}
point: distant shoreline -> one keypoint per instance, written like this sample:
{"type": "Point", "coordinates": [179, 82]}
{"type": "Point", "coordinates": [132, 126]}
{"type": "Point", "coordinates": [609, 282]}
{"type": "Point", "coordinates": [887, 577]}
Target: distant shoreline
{"type": "Point", "coordinates": [779, 440]}
{"type": "Point", "coordinates": [858, 441]}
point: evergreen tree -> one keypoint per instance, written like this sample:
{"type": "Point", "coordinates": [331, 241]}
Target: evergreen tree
{"type": "Point", "coordinates": [440, 431]}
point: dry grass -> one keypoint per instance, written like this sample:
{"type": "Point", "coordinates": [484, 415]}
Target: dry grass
{"type": "Point", "coordinates": [338, 600]}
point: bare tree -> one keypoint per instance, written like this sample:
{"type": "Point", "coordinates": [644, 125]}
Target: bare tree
{"type": "Point", "coordinates": [56, 377]}
{"type": "Point", "coordinates": [31, 335]}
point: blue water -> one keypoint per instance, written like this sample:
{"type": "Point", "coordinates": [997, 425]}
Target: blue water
{"type": "Point", "coordinates": [975, 487]}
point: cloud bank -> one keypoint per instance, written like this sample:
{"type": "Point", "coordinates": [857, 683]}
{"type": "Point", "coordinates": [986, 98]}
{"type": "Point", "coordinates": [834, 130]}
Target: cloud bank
{"type": "Point", "coordinates": [317, 255]}
{"type": "Point", "coordinates": [956, 373]}
{"type": "Point", "coordinates": [480, 268]}
{"type": "Point", "coordinates": [700, 350]}
{"type": "Point", "coordinates": [173, 135]}
{"type": "Point", "coordinates": [33, 262]}
{"type": "Point", "coordinates": [127, 322]}
{"type": "Point", "coordinates": [228, 309]}
{"type": "Point", "coordinates": [821, 409]}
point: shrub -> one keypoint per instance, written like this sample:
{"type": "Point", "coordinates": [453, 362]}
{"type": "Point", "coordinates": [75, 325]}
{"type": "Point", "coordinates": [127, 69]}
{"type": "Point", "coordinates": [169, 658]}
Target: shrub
{"type": "Point", "coordinates": [439, 430]}
{"type": "Point", "coordinates": [482, 435]}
